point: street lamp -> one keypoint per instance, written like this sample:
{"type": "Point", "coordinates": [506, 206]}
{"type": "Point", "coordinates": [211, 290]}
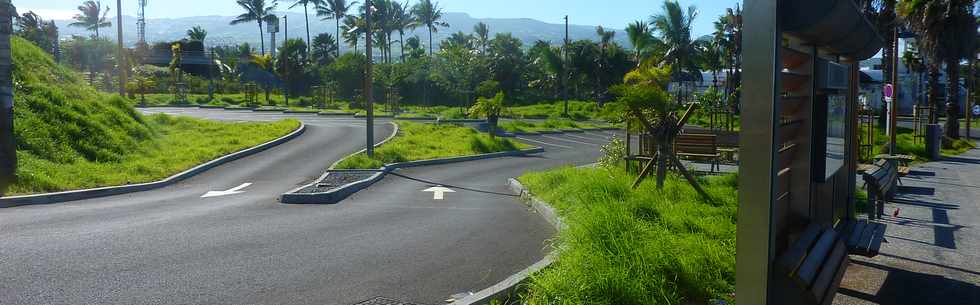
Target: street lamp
{"type": "Point", "coordinates": [368, 81]}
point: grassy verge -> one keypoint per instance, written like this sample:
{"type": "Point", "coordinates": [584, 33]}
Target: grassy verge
{"type": "Point", "coordinates": [905, 142]}
{"type": "Point", "coordinates": [421, 141]}
{"type": "Point", "coordinates": [176, 144]}
{"type": "Point", "coordinates": [642, 246]}
{"type": "Point", "coordinates": [548, 125]}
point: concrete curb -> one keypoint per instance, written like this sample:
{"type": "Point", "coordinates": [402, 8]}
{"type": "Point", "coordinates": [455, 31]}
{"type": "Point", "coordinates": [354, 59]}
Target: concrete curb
{"type": "Point", "coordinates": [269, 110]}
{"type": "Point", "coordinates": [301, 112]}
{"type": "Point", "coordinates": [506, 291]}
{"type": "Point", "coordinates": [210, 107]}
{"type": "Point", "coordinates": [133, 188]}
{"type": "Point", "coordinates": [350, 114]}
{"type": "Point", "coordinates": [238, 109]}
{"type": "Point", "coordinates": [339, 194]}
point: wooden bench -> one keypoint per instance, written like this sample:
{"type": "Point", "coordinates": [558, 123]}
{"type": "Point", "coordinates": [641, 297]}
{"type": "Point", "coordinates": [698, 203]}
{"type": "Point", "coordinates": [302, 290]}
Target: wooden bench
{"type": "Point", "coordinates": [813, 267]}
{"type": "Point", "coordinates": [699, 146]}
{"type": "Point", "coordinates": [881, 181]}
{"type": "Point", "coordinates": [863, 237]}
{"type": "Point", "coordinates": [904, 162]}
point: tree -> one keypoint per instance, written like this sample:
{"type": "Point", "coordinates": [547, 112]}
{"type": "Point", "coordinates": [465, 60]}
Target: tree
{"type": "Point", "coordinates": [490, 108]}
{"type": "Point", "coordinates": [337, 10]}
{"type": "Point", "coordinates": [414, 46]}
{"type": "Point", "coordinates": [674, 27]}
{"type": "Point", "coordinates": [30, 26]}
{"type": "Point", "coordinates": [549, 59]}
{"type": "Point", "coordinates": [482, 32]}
{"type": "Point", "coordinates": [458, 39]}
{"type": "Point", "coordinates": [605, 42]}
{"type": "Point", "coordinates": [306, 14]}
{"type": "Point", "coordinates": [324, 48]}
{"type": "Point", "coordinates": [507, 62]}
{"type": "Point", "coordinates": [404, 21]}
{"type": "Point", "coordinates": [92, 17]}
{"type": "Point", "coordinates": [946, 29]}
{"type": "Point", "coordinates": [429, 14]}
{"type": "Point", "coordinates": [641, 37]}
{"type": "Point", "coordinates": [197, 33]}
{"type": "Point", "coordinates": [257, 11]}
{"type": "Point", "coordinates": [291, 65]}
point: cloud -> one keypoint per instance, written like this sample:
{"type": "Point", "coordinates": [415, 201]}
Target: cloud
{"type": "Point", "coordinates": [49, 14]}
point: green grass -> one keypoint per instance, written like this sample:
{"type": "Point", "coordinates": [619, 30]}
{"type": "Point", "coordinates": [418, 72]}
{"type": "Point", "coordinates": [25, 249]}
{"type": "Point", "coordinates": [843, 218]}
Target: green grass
{"type": "Point", "coordinates": [69, 136]}
{"type": "Point", "coordinates": [577, 110]}
{"type": "Point", "coordinates": [547, 125]}
{"type": "Point", "coordinates": [422, 141]}
{"type": "Point", "coordinates": [645, 246]}
{"type": "Point", "coordinates": [905, 143]}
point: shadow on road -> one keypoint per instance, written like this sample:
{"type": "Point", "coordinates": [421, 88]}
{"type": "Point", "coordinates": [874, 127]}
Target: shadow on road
{"type": "Point", "coordinates": [905, 287]}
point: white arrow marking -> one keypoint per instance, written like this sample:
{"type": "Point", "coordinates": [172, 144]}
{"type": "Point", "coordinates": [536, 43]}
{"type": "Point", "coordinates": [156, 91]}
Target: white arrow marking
{"type": "Point", "coordinates": [233, 191]}
{"type": "Point", "coordinates": [438, 192]}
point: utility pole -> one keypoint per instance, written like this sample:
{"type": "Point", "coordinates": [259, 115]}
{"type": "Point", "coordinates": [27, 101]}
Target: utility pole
{"type": "Point", "coordinates": [123, 66]}
{"type": "Point", "coordinates": [565, 70]}
{"type": "Point", "coordinates": [285, 57]}
{"type": "Point", "coordinates": [971, 91]}
{"type": "Point", "coordinates": [368, 82]}
{"type": "Point", "coordinates": [8, 152]}
{"type": "Point", "coordinates": [210, 75]}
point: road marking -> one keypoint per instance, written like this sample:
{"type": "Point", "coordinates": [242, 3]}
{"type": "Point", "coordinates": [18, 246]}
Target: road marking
{"type": "Point", "coordinates": [585, 138]}
{"type": "Point", "coordinates": [233, 191]}
{"type": "Point", "coordinates": [544, 143]}
{"type": "Point", "coordinates": [438, 192]}
{"type": "Point", "coordinates": [572, 141]}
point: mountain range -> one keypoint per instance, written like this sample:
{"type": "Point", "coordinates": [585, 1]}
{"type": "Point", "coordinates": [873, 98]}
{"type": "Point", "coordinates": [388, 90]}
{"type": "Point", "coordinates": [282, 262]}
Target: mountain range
{"type": "Point", "coordinates": [220, 32]}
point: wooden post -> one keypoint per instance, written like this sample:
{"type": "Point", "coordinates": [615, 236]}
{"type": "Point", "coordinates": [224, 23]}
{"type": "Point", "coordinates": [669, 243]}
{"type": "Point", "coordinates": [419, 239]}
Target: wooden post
{"type": "Point", "coordinates": [368, 80]}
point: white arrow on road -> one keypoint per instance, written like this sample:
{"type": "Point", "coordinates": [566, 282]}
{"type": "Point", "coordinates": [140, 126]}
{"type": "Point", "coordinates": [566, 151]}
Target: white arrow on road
{"type": "Point", "coordinates": [233, 191]}
{"type": "Point", "coordinates": [438, 192]}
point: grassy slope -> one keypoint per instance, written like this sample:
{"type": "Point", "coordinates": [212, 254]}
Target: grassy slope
{"type": "Point", "coordinates": [420, 141]}
{"type": "Point", "coordinates": [643, 246]}
{"type": "Point", "coordinates": [70, 136]}
{"type": "Point", "coordinates": [547, 125]}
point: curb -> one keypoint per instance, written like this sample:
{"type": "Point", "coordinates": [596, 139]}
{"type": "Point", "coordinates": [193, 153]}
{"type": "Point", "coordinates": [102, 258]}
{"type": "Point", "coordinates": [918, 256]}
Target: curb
{"type": "Point", "coordinates": [268, 110]}
{"type": "Point", "coordinates": [339, 194]}
{"type": "Point", "coordinates": [301, 111]}
{"type": "Point", "coordinates": [509, 288]}
{"type": "Point", "coordinates": [59, 197]}
{"type": "Point", "coordinates": [238, 109]}
{"type": "Point", "coordinates": [335, 114]}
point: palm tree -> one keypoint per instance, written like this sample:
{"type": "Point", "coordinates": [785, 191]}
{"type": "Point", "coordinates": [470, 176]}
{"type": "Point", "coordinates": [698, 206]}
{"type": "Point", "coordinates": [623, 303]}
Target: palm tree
{"type": "Point", "coordinates": [482, 32]}
{"type": "Point", "coordinates": [947, 30]}
{"type": "Point", "coordinates": [550, 60]}
{"type": "Point", "coordinates": [491, 109]}
{"type": "Point", "coordinates": [674, 27]}
{"type": "Point", "coordinates": [92, 17]}
{"type": "Point", "coordinates": [306, 15]}
{"type": "Point", "coordinates": [197, 33]}
{"type": "Point", "coordinates": [324, 47]}
{"type": "Point", "coordinates": [337, 10]}
{"type": "Point", "coordinates": [404, 20]}
{"type": "Point", "coordinates": [641, 38]}
{"type": "Point", "coordinates": [429, 14]}
{"type": "Point", "coordinates": [256, 10]}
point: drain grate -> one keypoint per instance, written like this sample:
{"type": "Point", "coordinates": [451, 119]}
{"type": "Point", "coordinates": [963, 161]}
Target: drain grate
{"type": "Point", "coordinates": [385, 301]}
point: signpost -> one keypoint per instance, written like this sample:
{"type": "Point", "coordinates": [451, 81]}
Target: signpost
{"type": "Point", "coordinates": [8, 153]}
{"type": "Point", "coordinates": [889, 93]}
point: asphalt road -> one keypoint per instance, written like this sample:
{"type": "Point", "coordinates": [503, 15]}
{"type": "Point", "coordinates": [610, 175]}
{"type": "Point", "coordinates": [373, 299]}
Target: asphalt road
{"type": "Point", "coordinates": [393, 240]}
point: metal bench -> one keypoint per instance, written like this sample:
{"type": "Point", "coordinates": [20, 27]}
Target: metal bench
{"type": "Point", "coordinates": [881, 181]}
{"type": "Point", "coordinates": [813, 266]}
{"type": "Point", "coordinates": [699, 146]}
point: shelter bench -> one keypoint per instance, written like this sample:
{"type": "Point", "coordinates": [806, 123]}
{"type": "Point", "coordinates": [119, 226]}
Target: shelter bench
{"type": "Point", "coordinates": [881, 180]}
{"type": "Point", "coordinates": [813, 266]}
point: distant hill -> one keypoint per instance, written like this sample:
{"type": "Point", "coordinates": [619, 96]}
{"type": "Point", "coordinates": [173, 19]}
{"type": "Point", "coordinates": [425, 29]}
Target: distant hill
{"type": "Point", "coordinates": [221, 33]}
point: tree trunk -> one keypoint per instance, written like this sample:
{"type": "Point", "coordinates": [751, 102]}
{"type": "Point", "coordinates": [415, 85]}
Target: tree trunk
{"type": "Point", "coordinates": [401, 44]}
{"type": "Point", "coordinates": [933, 94]}
{"type": "Point", "coordinates": [337, 21]}
{"type": "Point", "coordinates": [430, 40]}
{"type": "Point", "coordinates": [953, 98]}
{"type": "Point", "coordinates": [261, 38]}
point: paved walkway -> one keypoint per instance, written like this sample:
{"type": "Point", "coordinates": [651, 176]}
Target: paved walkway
{"type": "Point", "coordinates": [931, 253]}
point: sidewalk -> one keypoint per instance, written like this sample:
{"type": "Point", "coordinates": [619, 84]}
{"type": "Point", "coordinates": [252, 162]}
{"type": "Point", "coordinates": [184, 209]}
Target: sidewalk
{"type": "Point", "coordinates": [931, 253]}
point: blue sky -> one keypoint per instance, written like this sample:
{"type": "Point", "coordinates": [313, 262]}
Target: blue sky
{"type": "Point", "coordinates": [610, 13]}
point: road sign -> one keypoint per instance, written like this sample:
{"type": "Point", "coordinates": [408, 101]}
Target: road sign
{"type": "Point", "coordinates": [438, 192]}
{"type": "Point", "coordinates": [976, 110]}
{"type": "Point", "coordinates": [233, 191]}
{"type": "Point", "coordinates": [889, 91]}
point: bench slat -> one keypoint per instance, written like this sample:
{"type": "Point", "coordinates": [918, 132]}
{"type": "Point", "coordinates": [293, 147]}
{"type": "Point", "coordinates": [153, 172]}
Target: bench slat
{"type": "Point", "coordinates": [828, 297]}
{"type": "Point", "coordinates": [794, 256]}
{"type": "Point", "coordinates": [828, 274]}
{"type": "Point", "coordinates": [855, 235]}
{"type": "Point", "coordinates": [807, 272]}
{"type": "Point", "coordinates": [879, 236]}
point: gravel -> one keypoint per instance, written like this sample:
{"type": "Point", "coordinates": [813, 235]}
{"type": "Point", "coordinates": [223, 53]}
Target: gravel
{"type": "Point", "coordinates": [335, 180]}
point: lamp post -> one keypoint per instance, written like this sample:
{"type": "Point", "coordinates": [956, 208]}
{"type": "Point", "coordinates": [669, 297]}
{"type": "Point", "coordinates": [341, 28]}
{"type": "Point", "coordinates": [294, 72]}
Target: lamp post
{"type": "Point", "coordinates": [565, 76]}
{"type": "Point", "coordinates": [285, 57]}
{"type": "Point", "coordinates": [120, 50]}
{"type": "Point", "coordinates": [368, 82]}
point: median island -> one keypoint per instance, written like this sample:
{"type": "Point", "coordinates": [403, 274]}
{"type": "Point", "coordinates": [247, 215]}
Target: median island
{"type": "Point", "coordinates": [423, 141]}
{"type": "Point", "coordinates": [72, 137]}
{"type": "Point", "coordinates": [636, 246]}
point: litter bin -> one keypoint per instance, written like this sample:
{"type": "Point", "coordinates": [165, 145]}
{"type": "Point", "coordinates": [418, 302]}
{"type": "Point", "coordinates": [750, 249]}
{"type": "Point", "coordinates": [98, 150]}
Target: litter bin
{"type": "Point", "coordinates": [934, 140]}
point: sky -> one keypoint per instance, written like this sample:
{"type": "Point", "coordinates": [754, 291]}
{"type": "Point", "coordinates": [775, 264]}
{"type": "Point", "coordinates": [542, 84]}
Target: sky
{"type": "Point", "coordinates": [614, 14]}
